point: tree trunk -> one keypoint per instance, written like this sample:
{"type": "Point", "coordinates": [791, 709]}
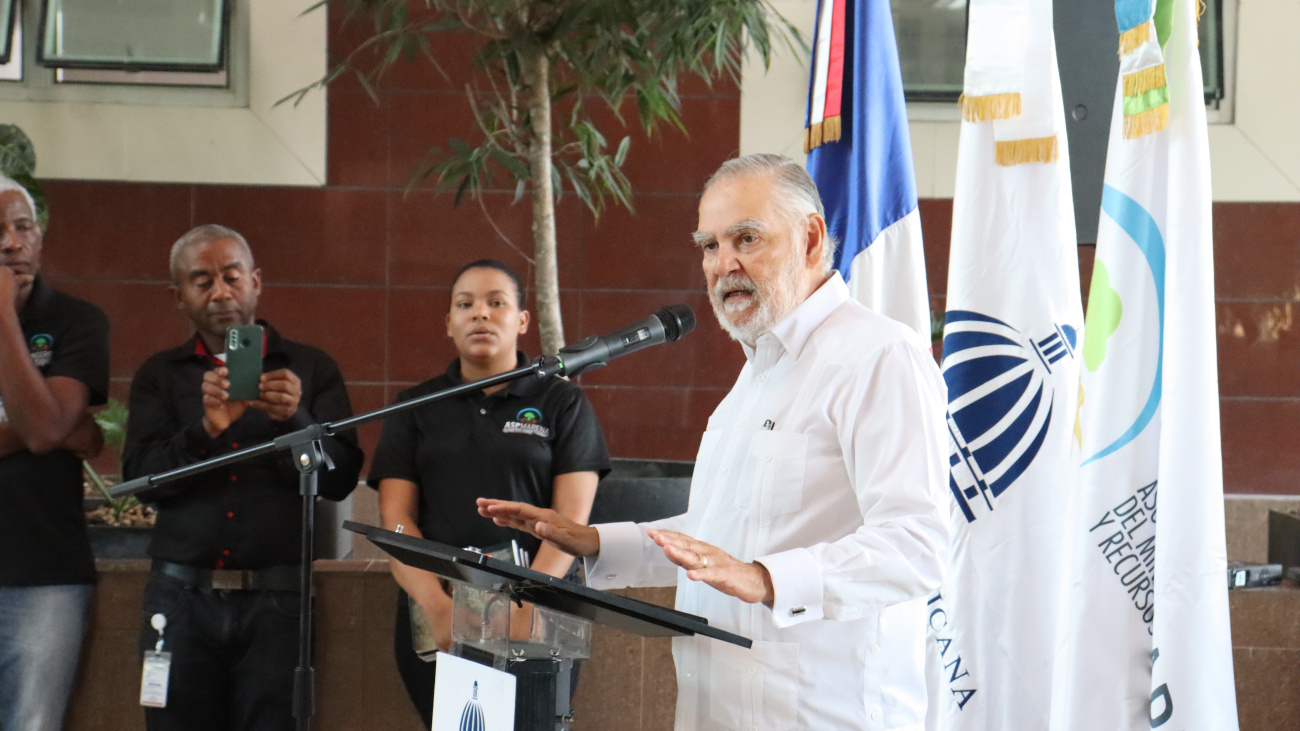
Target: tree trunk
{"type": "Point", "coordinates": [536, 73]}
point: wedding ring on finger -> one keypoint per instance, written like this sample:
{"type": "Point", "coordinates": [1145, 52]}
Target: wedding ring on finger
{"type": "Point", "coordinates": [704, 565]}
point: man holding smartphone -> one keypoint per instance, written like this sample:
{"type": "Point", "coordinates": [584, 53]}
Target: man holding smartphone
{"type": "Point", "coordinates": [226, 546]}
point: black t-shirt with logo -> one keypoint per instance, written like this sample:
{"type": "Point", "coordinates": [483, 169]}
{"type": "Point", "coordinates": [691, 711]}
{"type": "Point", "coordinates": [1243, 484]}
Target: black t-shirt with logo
{"type": "Point", "coordinates": [508, 445]}
{"type": "Point", "coordinates": [42, 526]}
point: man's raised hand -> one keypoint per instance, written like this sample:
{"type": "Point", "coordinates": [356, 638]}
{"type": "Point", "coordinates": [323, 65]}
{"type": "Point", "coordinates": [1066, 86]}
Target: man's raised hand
{"type": "Point", "coordinates": [747, 581]}
{"type": "Point", "coordinates": [573, 538]}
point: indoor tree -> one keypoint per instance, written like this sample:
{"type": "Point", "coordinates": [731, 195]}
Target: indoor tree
{"type": "Point", "coordinates": [540, 68]}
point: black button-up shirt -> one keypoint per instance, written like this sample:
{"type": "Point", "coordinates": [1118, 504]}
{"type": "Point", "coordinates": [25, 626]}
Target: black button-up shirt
{"type": "Point", "coordinates": [42, 527]}
{"type": "Point", "coordinates": [246, 515]}
{"type": "Point", "coordinates": [508, 445]}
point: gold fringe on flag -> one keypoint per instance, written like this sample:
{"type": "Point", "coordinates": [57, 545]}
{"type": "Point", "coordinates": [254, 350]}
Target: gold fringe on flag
{"type": "Point", "coordinates": [1131, 39]}
{"type": "Point", "coordinates": [1015, 152]}
{"type": "Point", "coordinates": [1145, 123]}
{"type": "Point", "coordinates": [1140, 82]}
{"type": "Point", "coordinates": [991, 106]}
{"type": "Point", "coordinates": [819, 133]}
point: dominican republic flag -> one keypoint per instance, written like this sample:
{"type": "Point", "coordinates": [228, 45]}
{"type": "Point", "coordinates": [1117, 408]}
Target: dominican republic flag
{"type": "Point", "coordinates": [860, 154]}
{"type": "Point", "coordinates": [1011, 359]}
{"type": "Point", "coordinates": [1146, 642]}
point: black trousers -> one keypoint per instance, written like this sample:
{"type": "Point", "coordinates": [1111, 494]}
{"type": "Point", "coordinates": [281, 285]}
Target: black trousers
{"type": "Point", "coordinates": [417, 675]}
{"type": "Point", "coordinates": [233, 657]}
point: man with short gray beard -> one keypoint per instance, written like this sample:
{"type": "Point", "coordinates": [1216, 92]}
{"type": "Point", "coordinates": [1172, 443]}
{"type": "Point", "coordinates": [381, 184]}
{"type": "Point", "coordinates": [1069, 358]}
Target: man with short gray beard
{"type": "Point", "coordinates": [819, 494]}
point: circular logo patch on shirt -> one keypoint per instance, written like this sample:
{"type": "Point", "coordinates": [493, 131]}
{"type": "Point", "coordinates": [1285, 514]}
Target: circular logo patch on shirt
{"type": "Point", "coordinates": [527, 421]}
{"type": "Point", "coordinates": [42, 349]}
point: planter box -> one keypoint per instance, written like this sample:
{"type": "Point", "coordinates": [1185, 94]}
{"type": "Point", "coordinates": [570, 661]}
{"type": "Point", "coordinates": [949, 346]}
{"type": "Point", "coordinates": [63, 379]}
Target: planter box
{"type": "Point", "coordinates": [108, 541]}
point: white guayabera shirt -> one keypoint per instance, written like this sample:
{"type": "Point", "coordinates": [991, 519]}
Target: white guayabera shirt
{"type": "Point", "coordinates": [827, 463]}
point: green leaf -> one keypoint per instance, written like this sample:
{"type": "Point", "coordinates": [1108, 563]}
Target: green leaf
{"type": "Point", "coordinates": [17, 155]}
{"type": "Point", "coordinates": [511, 163]}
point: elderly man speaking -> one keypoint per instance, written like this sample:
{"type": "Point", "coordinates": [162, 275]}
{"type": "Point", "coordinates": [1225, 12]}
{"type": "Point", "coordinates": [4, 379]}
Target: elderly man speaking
{"type": "Point", "coordinates": [817, 521]}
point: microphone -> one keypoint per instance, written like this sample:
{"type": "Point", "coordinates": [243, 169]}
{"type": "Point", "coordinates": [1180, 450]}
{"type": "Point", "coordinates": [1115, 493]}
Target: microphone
{"type": "Point", "coordinates": [668, 324]}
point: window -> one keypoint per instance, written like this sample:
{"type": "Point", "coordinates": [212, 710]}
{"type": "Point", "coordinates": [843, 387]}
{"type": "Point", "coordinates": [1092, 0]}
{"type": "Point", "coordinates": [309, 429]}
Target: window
{"type": "Point", "coordinates": [159, 52]}
{"type": "Point", "coordinates": [8, 10]}
{"type": "Point", "coordinates": [932, 48]}
{"type": "Point", "coordinates": [133, 35]}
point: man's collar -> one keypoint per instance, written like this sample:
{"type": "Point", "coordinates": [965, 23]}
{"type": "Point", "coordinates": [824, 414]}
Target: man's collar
{"type": "Point", "coordinates": [795, 328]}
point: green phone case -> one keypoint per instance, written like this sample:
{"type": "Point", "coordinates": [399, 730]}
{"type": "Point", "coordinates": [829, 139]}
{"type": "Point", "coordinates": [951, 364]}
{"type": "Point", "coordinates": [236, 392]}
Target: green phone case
{"type": "Point", "coordinates": [244, 361]}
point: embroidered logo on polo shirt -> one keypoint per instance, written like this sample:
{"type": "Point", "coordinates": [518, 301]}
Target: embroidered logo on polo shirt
{"type": "Point", "coordinates": [527, 421]}
{"type": "Point", "coordinates": [42, 348]}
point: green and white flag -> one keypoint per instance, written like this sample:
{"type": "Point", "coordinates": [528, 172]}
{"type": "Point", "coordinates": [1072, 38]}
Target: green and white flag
{"type": "Point", "coordinates": [1146, 642]}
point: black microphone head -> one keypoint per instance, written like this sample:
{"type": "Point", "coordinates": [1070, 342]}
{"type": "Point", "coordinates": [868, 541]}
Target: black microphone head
{"type": "Point", "coordinates": [677, 320]}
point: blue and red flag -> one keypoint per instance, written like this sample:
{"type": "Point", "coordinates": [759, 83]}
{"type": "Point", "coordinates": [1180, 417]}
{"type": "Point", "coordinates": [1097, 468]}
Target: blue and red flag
{"type": "Point", "coordinates": [860, 154]}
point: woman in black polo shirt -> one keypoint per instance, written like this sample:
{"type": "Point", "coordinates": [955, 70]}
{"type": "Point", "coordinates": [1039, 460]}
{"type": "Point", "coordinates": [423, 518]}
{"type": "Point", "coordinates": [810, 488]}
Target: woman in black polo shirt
{"type": "Point", "coordinates": [532, 440]}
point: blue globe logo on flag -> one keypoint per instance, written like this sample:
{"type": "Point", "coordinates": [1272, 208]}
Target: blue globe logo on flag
{"type": "Point", "coordinates": [472, 719]}
{"type": "Point", "coordinates": [999, 402]}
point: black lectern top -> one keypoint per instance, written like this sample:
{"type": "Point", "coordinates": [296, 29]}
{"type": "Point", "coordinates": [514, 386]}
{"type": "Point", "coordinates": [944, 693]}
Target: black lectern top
{"type": "Point", "coordinates": [603, 608]}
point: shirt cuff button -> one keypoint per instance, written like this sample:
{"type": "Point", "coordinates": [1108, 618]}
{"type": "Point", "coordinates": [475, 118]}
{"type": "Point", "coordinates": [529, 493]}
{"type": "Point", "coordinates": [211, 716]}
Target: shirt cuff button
{"type": "Point", "coordinates": [795, 612]}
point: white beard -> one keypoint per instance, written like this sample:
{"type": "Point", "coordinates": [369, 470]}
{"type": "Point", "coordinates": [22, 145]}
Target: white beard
{"type": "Point", "coordinates": [770, 302]}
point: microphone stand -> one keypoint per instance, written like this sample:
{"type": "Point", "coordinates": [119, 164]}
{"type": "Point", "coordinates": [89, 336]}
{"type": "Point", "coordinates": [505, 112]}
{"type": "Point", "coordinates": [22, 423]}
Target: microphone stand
{"type": "Point", "coordinates": [305, 447]}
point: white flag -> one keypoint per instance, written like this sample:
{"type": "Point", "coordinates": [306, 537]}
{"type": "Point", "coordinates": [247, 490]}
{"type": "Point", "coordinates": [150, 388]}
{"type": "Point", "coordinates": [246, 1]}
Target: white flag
{"type": "Point", "coordinates": [1011, 362]}
{"type": "Point", "coordinates": [1147, 643]}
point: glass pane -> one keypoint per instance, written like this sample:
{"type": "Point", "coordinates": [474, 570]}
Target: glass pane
{"type": "Point", "coordinates": [12, 69]}
{"type": "Point", "coordinates": [931, 47]}
{"type": "Point", "coordinates": [7, 13]}
{"type": "Point", "coordinates": [1210, 34]}
{"type": "Point", "coordinates": [133, 34]}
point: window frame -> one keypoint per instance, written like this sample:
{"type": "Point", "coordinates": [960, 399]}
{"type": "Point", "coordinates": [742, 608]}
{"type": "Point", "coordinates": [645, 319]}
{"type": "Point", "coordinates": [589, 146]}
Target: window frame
{"type": "Point", "coordinates": [41, 84]}
{"type": "Point", "coordinates": [223, 51]}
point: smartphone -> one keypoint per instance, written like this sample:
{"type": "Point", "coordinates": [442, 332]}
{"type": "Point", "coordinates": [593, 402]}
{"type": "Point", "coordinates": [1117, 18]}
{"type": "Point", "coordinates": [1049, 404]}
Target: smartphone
{"type": "Point", "coordinates": [244, 361]}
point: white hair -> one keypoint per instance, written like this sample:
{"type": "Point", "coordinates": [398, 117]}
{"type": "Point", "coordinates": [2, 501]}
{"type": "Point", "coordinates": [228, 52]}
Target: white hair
{"type": "Point", "coordinates": [797, 196]}
{"type": "Point", "coordinates": [206, 234]}
{"type": "Point", "coordinates": [7, 183]}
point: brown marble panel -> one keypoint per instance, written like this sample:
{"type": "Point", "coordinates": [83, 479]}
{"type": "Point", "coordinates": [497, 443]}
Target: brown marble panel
{"type": "Point", "coordinates": [1259, 438]}
{"type": "Point", "coordinates": [936, 236]}
{"type": "Point", "coordinates": [357, 151]}
{"type": "Point", "coordinates": [609, 686]}
{"type": "Point", "coordinates": [1265, 618]}
{"type": "Point", "coordinates": [347, 32]}
{"type": "Point", "coordinates": [345, 322]}
{"type": "Point", "coordinates": [1257, 250]}
{"type": "Point", "coordinates": [432, 238]}
{"type": "Point", "coordinates": [1246, 524]}
{"type": "Point", "coordinates": [1259, 349]}
{"type": "Point", "coordinates": [672, 161]}
{"type": "Point", "coordinates": [422, 121]}
{"type": "Point", "coordinates": [303, 235]}
{"type": "Point", "coordinates": [451, 67]}
{"type": "Point", "coordinates": [113, 230]}
{"type": "Point", "coordinates": [657, 423]}
{"type": "Point", "coordinates": [142, 316]}
{"type": "Point", "coordinates": [648, 249]}
{"type": "Point", "coordinates": [705, 357]}
{"type": "Point", "coordinates": [1267, 684]}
